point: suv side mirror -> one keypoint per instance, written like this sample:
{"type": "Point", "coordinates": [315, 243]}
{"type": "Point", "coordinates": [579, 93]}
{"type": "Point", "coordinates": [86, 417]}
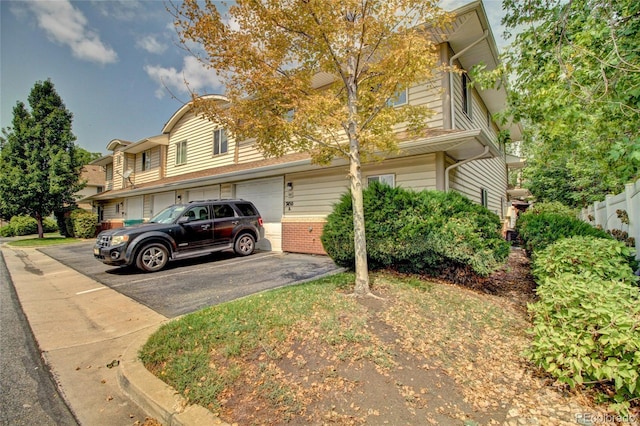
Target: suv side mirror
{"type": "Point", "coordinates": [183, 219]}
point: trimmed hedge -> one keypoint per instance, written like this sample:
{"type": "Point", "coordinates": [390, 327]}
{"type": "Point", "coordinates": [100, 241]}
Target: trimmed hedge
{"type": "Point", "coordinates": [83, 223]}
{"type": "Point", "coordinates": [539, 230]}
{"type": "Point", "coordinates": [427, 232]}
{"type": "Point", "coordinates": [27, 225]}
{"type": "Point", "coordinates": [586, 321]}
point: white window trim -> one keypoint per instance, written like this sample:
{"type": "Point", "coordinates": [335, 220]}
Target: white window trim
{"type": "Point", "coordinates": [218, 144]}
{"type": "Point", "coordinates": [388, 178]}
{"type": "Point", "coordinates": [396, 101]}
{"type": "Point", "coordinates": [178, 150]}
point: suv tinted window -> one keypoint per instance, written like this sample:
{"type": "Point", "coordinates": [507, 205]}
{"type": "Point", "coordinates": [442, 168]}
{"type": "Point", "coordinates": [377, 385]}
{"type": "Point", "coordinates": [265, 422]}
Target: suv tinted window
{"type": "Point", "coordinates": [223, 210]}
{"type": "Point", "coordinates": [246, 209]}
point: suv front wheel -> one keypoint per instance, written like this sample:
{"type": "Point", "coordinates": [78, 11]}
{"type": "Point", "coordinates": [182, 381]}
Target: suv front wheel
{"type": "Point", "coordinates": [245, 245]}
{"type": "Point", "coordinates": [152, 257]}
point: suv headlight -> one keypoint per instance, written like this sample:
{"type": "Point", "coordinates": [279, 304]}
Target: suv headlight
{"type": "Point", "coordinates": [119, 239]}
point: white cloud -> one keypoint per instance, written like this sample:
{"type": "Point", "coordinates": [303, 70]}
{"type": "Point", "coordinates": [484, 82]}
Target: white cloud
{"type": "Point", "coordinates": [151, 44]}
{"type": "Point", "coordinates": [67, 25]}
{"type": "Point", "coordinates": [193, 77]}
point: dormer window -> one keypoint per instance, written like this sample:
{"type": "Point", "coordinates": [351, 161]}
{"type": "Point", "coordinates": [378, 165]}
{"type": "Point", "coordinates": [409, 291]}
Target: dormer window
{"type": "Point", "coordinates": [146, 160]}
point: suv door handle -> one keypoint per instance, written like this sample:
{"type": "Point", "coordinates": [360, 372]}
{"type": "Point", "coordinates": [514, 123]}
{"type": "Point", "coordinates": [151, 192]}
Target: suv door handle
{"type": "Point", "coordinates": [235, 222]}
{"type": "Point", "coordinates": [207, 226]}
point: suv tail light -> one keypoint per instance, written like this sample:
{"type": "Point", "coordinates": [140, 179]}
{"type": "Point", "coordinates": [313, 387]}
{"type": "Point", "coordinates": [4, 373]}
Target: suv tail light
{"type": "Point", "coordinates": [260, 220]}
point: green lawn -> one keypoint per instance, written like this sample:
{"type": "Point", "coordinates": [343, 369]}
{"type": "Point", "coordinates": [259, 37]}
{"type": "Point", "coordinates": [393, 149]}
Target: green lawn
{"type": "Point", "coordinates": [48, 240]}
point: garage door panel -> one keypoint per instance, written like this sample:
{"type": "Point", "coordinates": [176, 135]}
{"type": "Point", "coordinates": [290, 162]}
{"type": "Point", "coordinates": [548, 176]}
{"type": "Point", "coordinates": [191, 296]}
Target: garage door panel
{"type": "Point", "coordinates": [135, 208]}
{"type": "Point", "coordinates": [162, 201]}
{"type": "Point", "coordinates": [209, 193]}
{"type": "Point", "coordinates": [268, 196]}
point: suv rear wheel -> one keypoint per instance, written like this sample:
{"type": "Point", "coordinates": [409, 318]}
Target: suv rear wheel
{"type": "Point", "coordinates": [152, 257]}
{"type": "Point", "coordinates": [245, 245]}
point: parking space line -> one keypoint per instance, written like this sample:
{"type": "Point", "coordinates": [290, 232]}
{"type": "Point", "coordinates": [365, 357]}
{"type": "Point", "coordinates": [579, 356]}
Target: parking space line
{"type": "Point", "coordinates": [90, 291]}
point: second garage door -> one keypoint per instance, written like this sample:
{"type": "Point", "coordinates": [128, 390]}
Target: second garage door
{"type": "Point", "coordinates": [268, 197]}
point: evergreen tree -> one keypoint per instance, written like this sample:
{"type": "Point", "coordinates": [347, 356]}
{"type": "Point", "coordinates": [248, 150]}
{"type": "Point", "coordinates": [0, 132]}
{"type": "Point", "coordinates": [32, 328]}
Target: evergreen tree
{"type": "Point", "coordinates": [39, 165]}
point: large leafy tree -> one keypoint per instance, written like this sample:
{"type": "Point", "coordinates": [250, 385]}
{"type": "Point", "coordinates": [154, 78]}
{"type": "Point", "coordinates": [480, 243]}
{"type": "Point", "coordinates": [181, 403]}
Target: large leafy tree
{"type": "Point", "coordinates": [39, 166]}
{"type": "Point", "coordinates": [318, 76]}
{"type": "Point", "coordinates": [575, 67]}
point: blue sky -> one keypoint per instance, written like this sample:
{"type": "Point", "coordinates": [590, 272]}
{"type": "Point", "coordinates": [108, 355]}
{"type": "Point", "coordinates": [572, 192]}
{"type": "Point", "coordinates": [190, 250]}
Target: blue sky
{"type": "Point", "coordinates": [117, 64]}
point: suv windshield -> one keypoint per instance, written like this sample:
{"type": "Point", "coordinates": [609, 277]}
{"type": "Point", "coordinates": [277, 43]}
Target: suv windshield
{"type": "Point", "coordinates": [169, 215]}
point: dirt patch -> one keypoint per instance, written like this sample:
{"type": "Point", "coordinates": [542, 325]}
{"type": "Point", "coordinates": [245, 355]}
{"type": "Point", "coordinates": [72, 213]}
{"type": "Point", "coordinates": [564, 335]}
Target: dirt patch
{"type": "Point", "coordinates": [434, 354]}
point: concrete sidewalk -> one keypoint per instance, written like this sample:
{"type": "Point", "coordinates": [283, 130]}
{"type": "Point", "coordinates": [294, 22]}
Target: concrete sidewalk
{"type": "Point", "coordinates": [89, 336]}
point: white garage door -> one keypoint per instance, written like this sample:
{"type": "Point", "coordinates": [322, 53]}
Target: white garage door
{"type": "Point", "coordinates": [135, 208]}
{"type": "Point", "coordinates": [162, 200]}
{"type": "Point", "coordinates": [208, 193]}
{"type": "Point", "coordinates": [268, 197]}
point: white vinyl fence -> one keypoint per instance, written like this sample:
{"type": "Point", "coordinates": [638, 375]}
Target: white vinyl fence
{"type": "Point", "coordinates": [613, 213]}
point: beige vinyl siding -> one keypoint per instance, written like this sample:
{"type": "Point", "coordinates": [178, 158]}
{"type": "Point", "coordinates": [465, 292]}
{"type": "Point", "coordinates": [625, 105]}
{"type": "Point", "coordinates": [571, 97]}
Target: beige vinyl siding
{"type": "Point", "coordinates": [315, 193]}
{"type": "Point", "coordinates": [147, 175]}
{"type": "Point", "coordinates": [247, 152]}
{"type": "Point", "coordinates": [198, 132]}
{"type": "Point", "coordinates": [490, 174]}
{"type": "Point", "coordinates": [478, 111]}
{"type": "Point", "coordinates": [429, 94]}
{"type": "Point", "coordinates": [109, 210]}
{"type": "Point", "coordinates": [147, 207]}
{"type": "Point", "coordinates": [118, 169]}
{"type": "Point", "coordinates": [227, 190]}
{"type": "Point", "coordinates": [416, 173]}
{"type": "Point", "coordinates": [129, 164]}
{"type": "Point", "coordinates": [108, 175]}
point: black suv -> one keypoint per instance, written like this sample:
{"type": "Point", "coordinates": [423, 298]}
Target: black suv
{"type": "Point", "coordinates": [181, 231]}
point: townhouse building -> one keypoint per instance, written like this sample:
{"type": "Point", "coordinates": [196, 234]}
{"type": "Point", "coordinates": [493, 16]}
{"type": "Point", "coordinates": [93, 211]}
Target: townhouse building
{"type": "Point", "coordinates": [193, 158]}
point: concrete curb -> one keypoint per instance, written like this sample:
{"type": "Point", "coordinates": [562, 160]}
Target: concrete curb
{"type": "Point", "coordinates": [154, 396]}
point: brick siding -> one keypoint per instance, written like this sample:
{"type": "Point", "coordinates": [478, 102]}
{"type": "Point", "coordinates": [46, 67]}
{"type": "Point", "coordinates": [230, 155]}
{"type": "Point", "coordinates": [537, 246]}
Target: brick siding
{"type": "Point", "coordinates": [302, 237]}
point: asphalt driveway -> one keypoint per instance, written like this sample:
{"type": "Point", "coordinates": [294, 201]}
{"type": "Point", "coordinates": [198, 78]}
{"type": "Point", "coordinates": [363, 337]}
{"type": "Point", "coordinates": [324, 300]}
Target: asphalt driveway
{"type": "Point", "coordinates": [189, 285]}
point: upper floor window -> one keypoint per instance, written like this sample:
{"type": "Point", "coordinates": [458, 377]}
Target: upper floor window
{"type": "Point", "coordinates": [146, 160]}
{"type": "Point", "coordinates": [466, 95]}
{"type": "Point", "coordinates": [389, 179]}
{"type": "Point", "coordinates": [399, 98]}
{"type": "Point", "coordinates": [220, 144]}
{"type": "Point", "coordinates": [181, 153]}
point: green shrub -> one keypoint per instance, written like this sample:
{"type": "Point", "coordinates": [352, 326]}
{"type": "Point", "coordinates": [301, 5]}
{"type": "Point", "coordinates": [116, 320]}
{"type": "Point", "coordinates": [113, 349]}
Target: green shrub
{"type": "Point", "coordinates": [428, 232]}
{"type": "Point", "coordinates": [7, 231]}
{"type": "Point", "coordinates": [49, 225]}
{"type": "Point", "coordinates": [537, 231]}
{"type": "Point", "coordinates": [84, 223]}
{"type": "Point", "coordinates": [602, 258]}
{"type": "Point", "coordinates": [23, 225]}
{"type": "Point", "coordinates": [587, 332]}
{"type": "Point", "coordinates": [26, 225]}
{"type": "Point", "coordinates": [552, 207]}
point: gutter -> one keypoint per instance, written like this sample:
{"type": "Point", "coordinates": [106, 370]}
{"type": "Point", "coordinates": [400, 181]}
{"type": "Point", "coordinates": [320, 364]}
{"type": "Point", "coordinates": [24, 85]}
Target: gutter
{"type": "Point", "coordinates": [485, 34]}
{"type": "Point", "coordinates": [460, 163]}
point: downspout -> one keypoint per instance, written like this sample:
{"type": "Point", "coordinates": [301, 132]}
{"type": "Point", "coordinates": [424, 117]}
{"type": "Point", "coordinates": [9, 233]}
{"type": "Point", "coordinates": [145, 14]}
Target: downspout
{"type": "Point", "coordinates": [460, 163]}
{"type": "Point", "coordinates": [451, 60]}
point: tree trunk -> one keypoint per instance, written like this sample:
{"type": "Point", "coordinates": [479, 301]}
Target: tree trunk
{"type": "Point", "coordinates": [359, 234]}
{"type": "Point", "coordinates": [40, 227]}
